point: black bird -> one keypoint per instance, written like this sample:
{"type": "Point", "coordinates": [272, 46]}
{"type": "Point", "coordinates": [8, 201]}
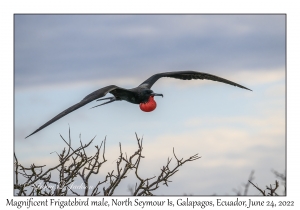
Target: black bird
{"type": "Point", "coordinates": [142, 94]}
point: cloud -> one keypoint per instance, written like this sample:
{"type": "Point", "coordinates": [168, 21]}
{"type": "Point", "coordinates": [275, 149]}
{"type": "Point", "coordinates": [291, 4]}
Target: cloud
{"type": "Point", "coordinates": [73, 48]}
{"type": "Point", "coordinates": [262, 76]}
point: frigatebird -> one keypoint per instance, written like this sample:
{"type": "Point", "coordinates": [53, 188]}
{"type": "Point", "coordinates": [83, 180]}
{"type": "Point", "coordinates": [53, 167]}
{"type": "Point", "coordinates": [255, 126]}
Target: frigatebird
{"type": "Point", "coordinates": [142, 94]}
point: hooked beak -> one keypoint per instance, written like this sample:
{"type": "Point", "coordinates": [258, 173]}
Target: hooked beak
{"type": "Point", "coordinates": [157, 94]}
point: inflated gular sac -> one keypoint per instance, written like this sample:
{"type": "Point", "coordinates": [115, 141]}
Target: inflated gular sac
{"type": "Point", "coordinates": [149, 106]}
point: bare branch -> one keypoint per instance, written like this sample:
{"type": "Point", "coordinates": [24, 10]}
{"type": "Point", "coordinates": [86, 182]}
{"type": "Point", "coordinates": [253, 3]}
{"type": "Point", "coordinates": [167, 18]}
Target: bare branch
{"type": "Point", "coordinates": [77, 164]}
{"type": "Point", "coordinates": [260, 190]}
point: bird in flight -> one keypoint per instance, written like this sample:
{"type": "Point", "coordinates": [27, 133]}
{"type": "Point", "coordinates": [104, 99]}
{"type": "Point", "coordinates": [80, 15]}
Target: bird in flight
{"type": "Point", "coordinates": [142, 95]}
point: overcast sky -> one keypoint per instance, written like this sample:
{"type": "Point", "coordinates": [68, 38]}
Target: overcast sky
{"type": "Point", "coordinates": [59, 59]}
{"type": "Point", "coordinates": [70, 48]}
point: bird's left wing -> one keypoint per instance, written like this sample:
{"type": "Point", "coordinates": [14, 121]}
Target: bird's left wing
{"type": "Point", "coordinates": [187, 75]}
{"type": "Point", "coordinates": [94, 95]}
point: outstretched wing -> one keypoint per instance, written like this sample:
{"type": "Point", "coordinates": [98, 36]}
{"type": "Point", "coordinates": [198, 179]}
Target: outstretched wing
{"type": "Point", "coordinates": [94, 95]}
{"type": "Point", "coordinates": [187, 75]}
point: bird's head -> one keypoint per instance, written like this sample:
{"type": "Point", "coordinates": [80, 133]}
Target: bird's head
{"type": "Point", "coordinates": [149, 104]}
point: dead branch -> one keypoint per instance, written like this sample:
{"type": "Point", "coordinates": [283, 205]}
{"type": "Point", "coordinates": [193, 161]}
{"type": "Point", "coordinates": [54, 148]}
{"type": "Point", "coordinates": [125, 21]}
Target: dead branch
{"type": "Point", "coordinates": [77, 164]}
{"type": "Point", "coordinates": [270, 188]}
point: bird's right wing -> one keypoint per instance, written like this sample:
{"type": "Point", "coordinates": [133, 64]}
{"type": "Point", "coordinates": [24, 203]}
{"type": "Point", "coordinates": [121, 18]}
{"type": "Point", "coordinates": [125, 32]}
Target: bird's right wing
{"type": "Point", "coordinates": [187, 75]}
{"type": "Point", "coordinates": [93, 96]}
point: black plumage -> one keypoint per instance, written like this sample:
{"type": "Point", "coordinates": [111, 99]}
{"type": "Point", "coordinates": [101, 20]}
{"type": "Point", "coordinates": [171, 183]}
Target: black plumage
{"type": "Point", "coordinates": [136, 95]}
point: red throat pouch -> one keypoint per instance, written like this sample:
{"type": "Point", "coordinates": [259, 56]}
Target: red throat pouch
{"type": "Point", "coordinates": [149, 106]}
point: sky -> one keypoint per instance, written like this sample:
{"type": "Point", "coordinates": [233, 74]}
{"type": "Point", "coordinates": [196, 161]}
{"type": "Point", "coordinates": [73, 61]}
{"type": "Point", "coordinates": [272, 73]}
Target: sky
{"type": "Point", "coordinates": [59, 59]}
